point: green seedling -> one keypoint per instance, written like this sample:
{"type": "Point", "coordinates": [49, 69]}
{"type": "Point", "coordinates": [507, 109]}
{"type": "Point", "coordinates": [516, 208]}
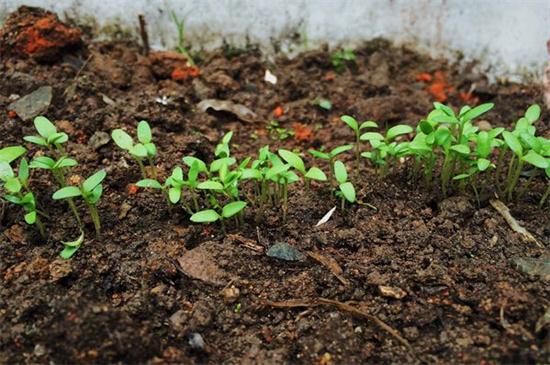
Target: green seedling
{"type": "Point", "coordinates": [144, 149]}
{"type": "Point", "coordinates": [222, 148]}
{"type": "Point", "coordinates": [57, 167]}
{"type": "Point", "coordinates": [48, 136]}
{"type": "Point", "coordinates": [385, 151]}
{"type": "Point", "coordinates": [219, 212]}
{"type": "Point", "coordinates": [180, 25]}
{"type": "Point", "coordinates": [323, 103]}
{"type": "Point", "coordinates": [71, 246]}
{"type": "Point", "coordinates": [330, 156]}
{"type": "Point", "coordinates": [341, 57]}
{"type": "Point", "coordinates": [17, 188]}
{"type": "Point", "coordinates": [314, 173]}
{"type": "Point", "coordinates": [357, 128]}
{"type": "Point", "coordinates": [345, 191]}
{"type": "Point", "coordinates": [277, 132]}
{"type": "Point", "coordinates": [90, 191]}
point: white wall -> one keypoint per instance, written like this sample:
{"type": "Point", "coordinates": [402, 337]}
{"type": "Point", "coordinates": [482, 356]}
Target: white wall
{"type": "Point", "coordinates": [507, 36]}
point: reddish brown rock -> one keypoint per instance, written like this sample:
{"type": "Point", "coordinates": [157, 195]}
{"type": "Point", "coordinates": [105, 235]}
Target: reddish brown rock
{"type": "Point", "coordinates": [37, 33]}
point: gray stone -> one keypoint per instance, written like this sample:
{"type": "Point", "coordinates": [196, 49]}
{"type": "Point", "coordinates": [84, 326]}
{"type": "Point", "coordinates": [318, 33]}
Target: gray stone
{"type": "Point", "coordinates": [33, 104]}
{"type": "Point", "coordinates": [285, 252]}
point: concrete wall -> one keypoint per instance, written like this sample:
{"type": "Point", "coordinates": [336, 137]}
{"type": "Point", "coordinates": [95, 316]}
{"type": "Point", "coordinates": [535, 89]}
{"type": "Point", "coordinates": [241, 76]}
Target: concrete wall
{"type": "Point", "coordinates": [507, 36]}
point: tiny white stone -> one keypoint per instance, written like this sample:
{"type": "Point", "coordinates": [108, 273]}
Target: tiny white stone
{"type": "Point", "coordinates": [269, 77]}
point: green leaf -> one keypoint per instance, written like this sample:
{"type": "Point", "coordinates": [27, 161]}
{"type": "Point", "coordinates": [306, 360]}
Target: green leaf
{"type": "Point", "coordinates": [276, 170]}
{"type": "Point", "coordinates": [483, 164]}
{"type": "Point", "coordinates": [138, 150]}
{"type": "Point", "coordinates": [426, 127]}
{"type": "Point", "coordinates": [315, 173]}
{"type": "Point", "coordinates": [36, 140]}
{"type": "Point", "coordinates": [71, 247]}
{"type": "Point", "coordinates": [144, 132]}
{"type": "Point", "coordinates": [65, 162]}
{"type": "Point", "coordinates": [42, 162]}
{"type": "Point", "coordinates": [174, 194]}
{"type": "Point", "coordinates": [151, 149]}
{"type": "Point", "coordinates": [371, 136]}
{"type": "Point", "coordinates": [57, 138]}
{"type": "Point", "coordinates": [483, 147]}
{"type": "Point", "coordinates": [44, 127]}
{"type": "Point", "coordinates": [122, 139]}
{"type": "Point", "coordinates": [513, 143]}
{"type": "Point", "coordinates": [340, 149]}
{"type": "Point", "coordinates": [149, 183]}
{"type": "Point", "coordinates": [348, 191]}
{"type": "Point", "coordinates": [30, 217]}
{"type": "Point", "coordinates": [442, 136]}
{"type": "Point", "coordinates": [533, 113]}
{"type": "Point", "coordinates": [95, 194]}
{"type": "Point", "coordinates": [461, 176]}
{"type": "Point", "coordinates": [13, 185]}
{"type": "Point", "coordinates": [94, 180]}
{"type": "Point", "coordinates": [536, 160]}
{"type": "Point", "coordinates": [227, 137]}
{"type": "Point", "coordinates": [293, 159]}
{"type": "Point", "coordinates": [398, 130]}
{"type": "Point", "coordinates": [177, 173]}
{"type": "Point", "coordinates": [216, 165]}
{"type": "Point", "coordinates": [23, 171]}
{"type": "Point", "coordinates": [324, 104]}
{"type": "Point", "coordinates": [319, 154]}
{"type": "Point", "coordinates": [340, 172]}
{"type": "Point", "coordinates": [368, 124]}
{"type": "Point", "coordinates": [233, 208]}
{"type": "Point", "coordinates": [477, 111]}
{"type": "Point", "coordinates": [463, 149]}
{"type": "Point", "coordinates": [9, 154]}
{"type": "Point", "coordinates": [67, 192]}
{"type": "Point", "coordinates": [444, 108]}
{"type": "Point", "coordinates": [189, 160]}
{"type": "Point", "coordinates": [350, 121]}
{"type": "Point", "coordinates": [210, 185]}
{"type": "Point", "coordinates": [205, 216]}
{"type": "Point", "coordinates": [5, 171]}
{"type": "Point", "coordinates": [251, 174]}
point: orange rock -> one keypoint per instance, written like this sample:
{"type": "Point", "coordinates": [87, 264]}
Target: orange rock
{"type": "Point", "coordinates": [278, 111]}
{"type": "Point", "coordinates": [132, 189]}
{"type": "Point", "coordinates": [302, 133]}
{"type": "Point", "coordinates": [330, 76]}
{"type": "Point", "coordinates": [37, 33]}
{"type": "Point", "coordinates": [424, 77]}
{"type": "Point", "coordinates": [185, 73]}
{"type": "Point", "coordinates": [12, 114]}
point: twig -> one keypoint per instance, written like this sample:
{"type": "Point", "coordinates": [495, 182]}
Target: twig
{"type": "Point", "coordinates": [344, 307]}
{"type": "Point", "coordinates": [144, 35]}
{"type": "Point", "coordinates": [516, 227]}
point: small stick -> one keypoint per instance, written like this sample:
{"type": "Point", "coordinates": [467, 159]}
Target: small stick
{"type": "Point", "coordinates": [144, 35]}
{"type": "Point", "coordinates": [516, 227]}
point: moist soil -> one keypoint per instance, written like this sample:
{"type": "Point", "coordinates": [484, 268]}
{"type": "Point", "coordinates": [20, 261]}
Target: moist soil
{"type": "Point", "coordinates": [453, 293]}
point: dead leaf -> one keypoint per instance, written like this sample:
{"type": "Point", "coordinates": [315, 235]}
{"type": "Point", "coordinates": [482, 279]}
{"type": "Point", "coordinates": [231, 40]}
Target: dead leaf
{"type": "Point", "coordinates": [331, 264]}
{"type": "Point", "coordinates": [246, 242]}
{"type": "Point", "coordinates": [392, 292]}
{"type": "Point", "coordinates": [241, 111]}
{"type": "Point", "coordinates": [198, 264]}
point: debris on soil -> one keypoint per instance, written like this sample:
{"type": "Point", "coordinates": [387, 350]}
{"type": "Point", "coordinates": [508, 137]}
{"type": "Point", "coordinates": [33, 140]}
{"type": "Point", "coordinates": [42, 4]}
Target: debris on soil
{"type": "Point", "coordinates": [516, 227]}
{"type": "Point", "coordinates": [172, 64]}
{"type": "Point", "coordinates": [99, 139]}
{"type": "Point", "coordinates": [392, 292]}
{"type": "Point", "coordinates": [331, 264]}
{"type": "Point", "coordinates": [198, 264]}
{"type": "Point", "coordinates": [284, 251]}
{"type": "Point", "coordinates": [326, 217]}
{"type": "Point", "coordinates": [33, 104]}
{"type": "Point", "coordinates": [196, 341]}
{"type": "Point", "coordinates": [37, 33]}
{"type": "Point", "coordinates": [230, 294]}
{"type": "Point", "coordinates": [533, 266]}
{"type": "Point", "coordinates": [239, 110]}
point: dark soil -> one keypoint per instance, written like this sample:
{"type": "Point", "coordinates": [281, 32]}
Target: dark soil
{"type": "Point", "coordinates": [125, 298]}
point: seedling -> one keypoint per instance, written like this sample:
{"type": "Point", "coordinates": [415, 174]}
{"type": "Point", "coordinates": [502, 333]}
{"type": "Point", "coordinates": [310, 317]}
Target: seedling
{"type": "Point", "coordinates": [144, 149]}
{"type": "Point", "coordinates": [48, 136]}
{"type": "Point", "coordinates": [71, 246]}
{"type": "Point", "coordinates": [345, 191]}
{"type": "Point", "coordinates": [180, 25]}
{"type": "Point", "coordinates": [90, 191]}
{"type": "Point", "coordinates": [385, 150]}
{"type": "Point", "coordinates": [330, 156]}
{"type": "Point", "coordinates": [277, 132]}
{"type": "Point", "coordinates": [341, 57]}
{"type": "Point", "coordinates": [323, 103]}
{"type": "Point", "coordinates": [357, 128]}
{"type": "Point", "coordinates": [219, 212]}
{"type": "Point", "coordinates": [314, 173]}
{"type": "Point", "coordinates": [17, 187]}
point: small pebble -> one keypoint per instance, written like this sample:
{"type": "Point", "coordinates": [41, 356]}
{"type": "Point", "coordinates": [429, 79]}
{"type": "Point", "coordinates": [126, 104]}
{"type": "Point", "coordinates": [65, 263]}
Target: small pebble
{"type": "Point", "coordinates": [195, 341]}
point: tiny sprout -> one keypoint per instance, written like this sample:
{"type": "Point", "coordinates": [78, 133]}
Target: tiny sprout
{"type": "Point", "coordinates": [222, 149]}
{"type": "Point", "coordinates": [357, 128]}
{"type": "Point", "coordinates": [211, 215]}
{"type": "Point", "coordinates": [340, 57]}
{"type": "Point", "coordinates": [346, 191]}
{"type": "Point", "coordinates": [90, 191]}
{"type": "Point", "coordinates": [144, 149]}
{"type": "Point", "coordinates": [48, 136]}
{"type": "Point", "coordinates": [323, 103]}
{"type": "Point", "coordinates": [71, 246]}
